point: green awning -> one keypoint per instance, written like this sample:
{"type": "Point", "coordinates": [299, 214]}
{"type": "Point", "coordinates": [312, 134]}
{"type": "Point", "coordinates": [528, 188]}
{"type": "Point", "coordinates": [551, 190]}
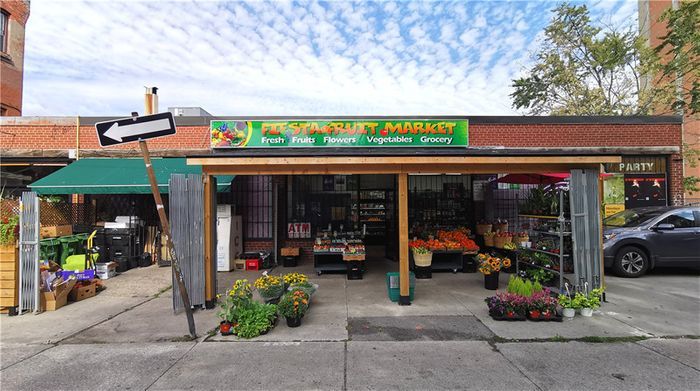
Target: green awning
{"type": "Point", "coordinates": [117, 176]}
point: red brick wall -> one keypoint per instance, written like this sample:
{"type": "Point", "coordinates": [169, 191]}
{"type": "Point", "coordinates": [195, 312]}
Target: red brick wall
{"type": "Point", "coordinates": [12, 63]}
{"type": "Point", "coordinates": [51, 137]}
{"type": "Point", "coordinates": [574, 135]}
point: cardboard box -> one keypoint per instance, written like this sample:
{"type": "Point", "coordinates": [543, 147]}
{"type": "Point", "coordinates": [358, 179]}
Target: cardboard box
{"type": "Point", "coordinates": [106, 270]}
{"type": "Point", "coordinates": [55, 231]}
{"type": "Point", "coordinates": [87, 274]}
{"type": "Point", "coordinates": [51, 301]}
{"type": "Point", "coordinates": [239, 264]}
{"type": "Point", "coordinates": [82, 292]}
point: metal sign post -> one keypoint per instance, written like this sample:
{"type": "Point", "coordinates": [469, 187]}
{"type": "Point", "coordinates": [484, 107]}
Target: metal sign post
{"type": "Point", "coordinates": [139, 129]}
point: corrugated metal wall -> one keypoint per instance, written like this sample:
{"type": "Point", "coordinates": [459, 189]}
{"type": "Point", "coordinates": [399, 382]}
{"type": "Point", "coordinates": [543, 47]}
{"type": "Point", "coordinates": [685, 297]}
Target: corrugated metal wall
{"type": "Point", "coordinates": [29, 253]}
{"type": "Point", "coordinates": [585, 227]}
{"type": "Point", "coordinates": [187, 225]}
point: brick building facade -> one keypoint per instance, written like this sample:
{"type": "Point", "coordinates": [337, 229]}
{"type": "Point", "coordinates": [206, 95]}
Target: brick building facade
{"type": "Point", "coordinates": [14, 14]}
{"type": "Point", "coordinates": [51, 138]}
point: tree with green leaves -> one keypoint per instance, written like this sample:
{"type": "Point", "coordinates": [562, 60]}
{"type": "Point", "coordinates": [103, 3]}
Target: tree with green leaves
{"type": "Point", "coordinates": [583, 69]}
{"type": "Point", "coordinates": [679, 55]}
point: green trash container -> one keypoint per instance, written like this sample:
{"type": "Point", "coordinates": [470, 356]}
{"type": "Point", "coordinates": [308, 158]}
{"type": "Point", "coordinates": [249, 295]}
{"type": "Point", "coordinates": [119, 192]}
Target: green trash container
{"type": "Point", "coordinates": [49, 250]}
{"type": "Point", "coordinates": [70, 245]}
{"type": "Point", "coordinates": [393, 287]}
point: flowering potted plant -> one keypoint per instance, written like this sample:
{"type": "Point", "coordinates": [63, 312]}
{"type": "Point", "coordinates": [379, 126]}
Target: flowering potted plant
{"type": "Point", "coordinates": [238, 297]}
{"type": "Point", "coordinates": [305, 286]}
{"type": "Point", "coordinates": [507, 306]}
{"type": "Point", "coordinates": [542, 306]}
{"type": "Point", "coordinates": [294, 278]}
{"type": "Point", "coordinates": [293, 306]}
{"type": "Point", "coordinates": [269, 287]}
{"type": "Point", "coordinates": [489, 266]}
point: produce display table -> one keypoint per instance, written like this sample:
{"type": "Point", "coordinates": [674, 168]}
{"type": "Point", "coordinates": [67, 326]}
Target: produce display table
{"type": "Point", "coordinates": [329, 261]}
{"type": "Point", "coordinates": [447, 260]}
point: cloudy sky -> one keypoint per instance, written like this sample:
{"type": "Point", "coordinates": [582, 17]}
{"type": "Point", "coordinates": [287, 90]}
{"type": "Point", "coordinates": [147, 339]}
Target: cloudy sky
{"type": "Point", "coordinates": [285, 58]}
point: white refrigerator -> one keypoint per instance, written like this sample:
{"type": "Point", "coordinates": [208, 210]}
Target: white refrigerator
{"type": "Point", "coordinates": [228, 238]}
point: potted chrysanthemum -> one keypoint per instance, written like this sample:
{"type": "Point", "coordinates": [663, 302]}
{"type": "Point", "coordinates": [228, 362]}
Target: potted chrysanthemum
{"type": "Point", "coordinates": [293, 306]}
{"type": "Point", "coordinates": [269, 287]}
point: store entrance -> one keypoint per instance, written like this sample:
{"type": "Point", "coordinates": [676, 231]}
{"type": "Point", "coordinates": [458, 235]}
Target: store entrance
{"type": "Point", "coordinates": [346, 208]}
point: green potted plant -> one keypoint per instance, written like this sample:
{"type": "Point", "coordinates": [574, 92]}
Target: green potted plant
{"type": "Point", "coordinates": [569, 306]}
{"type": "Point", "coordinates": [293, 306]}
{"type": "Point", "coordinates": [589, 301]}
{"type": "Point", "coordinates": [238, 297]}
{"type": "Point", "coordinates": [255, 319]}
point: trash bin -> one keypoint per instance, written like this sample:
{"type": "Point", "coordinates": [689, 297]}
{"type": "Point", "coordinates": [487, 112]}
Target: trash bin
{"type": "Point", "coordinates": [68, 247]}
{"type": "Point", "coordinates": [393, 287]}
{"type": "Point", "coordinates": [49, 250]}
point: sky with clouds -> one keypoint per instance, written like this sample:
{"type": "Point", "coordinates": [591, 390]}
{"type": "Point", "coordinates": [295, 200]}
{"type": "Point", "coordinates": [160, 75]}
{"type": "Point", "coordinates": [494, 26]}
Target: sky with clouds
{"type": "Point", "coordinates": [285, 58]}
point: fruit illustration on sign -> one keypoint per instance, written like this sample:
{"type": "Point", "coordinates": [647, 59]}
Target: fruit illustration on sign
{"type": "Point", "coordinates": [229, 133]}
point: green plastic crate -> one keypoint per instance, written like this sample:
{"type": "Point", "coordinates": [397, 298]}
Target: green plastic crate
{"type": "Point", "coordinates": [393, 289]}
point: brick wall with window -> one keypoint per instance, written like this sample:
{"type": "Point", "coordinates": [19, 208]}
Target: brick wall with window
{"type": "Point", "coordinates": [13, 20]}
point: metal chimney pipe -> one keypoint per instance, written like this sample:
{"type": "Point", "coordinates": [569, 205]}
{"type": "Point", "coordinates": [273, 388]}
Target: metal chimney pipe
{"type": "Point", "coordinates": [151, 100]}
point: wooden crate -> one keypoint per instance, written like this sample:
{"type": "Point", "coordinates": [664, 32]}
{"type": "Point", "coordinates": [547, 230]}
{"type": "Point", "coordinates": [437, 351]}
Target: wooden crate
{"type": "Point", "coordinates": [9, 276]}
{"type": "Point", "coordinates": [353, 257]}
{"type": "Point", "coordinates": [55, 231]}
{"type": "Point", "coordinates": [290, 251]}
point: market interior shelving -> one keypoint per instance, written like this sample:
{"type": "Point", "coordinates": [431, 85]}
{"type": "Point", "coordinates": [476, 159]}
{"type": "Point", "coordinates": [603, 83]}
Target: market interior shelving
{"type": "Point", "coordinates": [549, 255]}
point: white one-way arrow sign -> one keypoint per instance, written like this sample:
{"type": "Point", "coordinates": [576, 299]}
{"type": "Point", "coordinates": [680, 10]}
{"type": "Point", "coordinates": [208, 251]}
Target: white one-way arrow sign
{"type": "Point", "coordinates": [127, 130]}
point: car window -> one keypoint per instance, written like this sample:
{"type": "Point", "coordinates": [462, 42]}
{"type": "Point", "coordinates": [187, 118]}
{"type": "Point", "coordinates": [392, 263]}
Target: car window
{"type": "Point", "coordinates": [680, 219]}
{"type": "Point", "coordinates": [631, 218]}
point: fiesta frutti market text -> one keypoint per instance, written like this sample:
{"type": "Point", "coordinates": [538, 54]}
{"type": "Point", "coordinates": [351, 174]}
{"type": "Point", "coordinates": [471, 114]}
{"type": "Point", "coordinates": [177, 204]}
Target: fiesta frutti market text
{"type": "Point", "coordinates": [403, 133]}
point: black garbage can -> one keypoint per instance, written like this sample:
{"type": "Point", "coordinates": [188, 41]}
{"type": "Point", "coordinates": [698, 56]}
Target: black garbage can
{"type": "Point", "coordinates": [424, 272]}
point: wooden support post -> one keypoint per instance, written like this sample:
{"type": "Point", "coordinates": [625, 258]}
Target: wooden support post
{"type": "Point", "coordinates": [165, 226]}
{"type": "Point", "coordinates": [209, 261]}
{"type": "Point", "coordinates": [601, 214]}
{"type": "Point", "coordinates": [404, 291]}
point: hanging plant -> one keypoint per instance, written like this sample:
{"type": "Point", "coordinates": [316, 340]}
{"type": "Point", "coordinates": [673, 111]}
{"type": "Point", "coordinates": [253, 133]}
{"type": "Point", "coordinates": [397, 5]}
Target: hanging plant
{"type": "Point", "coordinates": [9, 230]}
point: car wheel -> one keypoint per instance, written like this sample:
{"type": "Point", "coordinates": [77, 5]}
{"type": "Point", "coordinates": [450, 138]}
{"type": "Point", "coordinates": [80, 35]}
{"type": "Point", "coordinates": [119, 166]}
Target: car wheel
{"type": "Point", "coordinates": [631, 262]}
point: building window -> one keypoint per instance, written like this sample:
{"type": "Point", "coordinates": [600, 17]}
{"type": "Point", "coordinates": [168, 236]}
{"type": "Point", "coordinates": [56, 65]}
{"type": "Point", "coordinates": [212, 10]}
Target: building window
{"type": "Point", "coordinates": [4, 21]}
{"type": "Point", "coordinates": [253, 199]}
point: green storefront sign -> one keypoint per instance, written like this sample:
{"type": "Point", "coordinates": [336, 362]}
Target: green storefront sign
{"type": "Point", "coordinates": [339, 133]}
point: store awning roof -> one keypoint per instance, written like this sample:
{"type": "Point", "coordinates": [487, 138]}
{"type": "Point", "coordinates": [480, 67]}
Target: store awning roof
{"type": "Point", "coordinates": [117, 176]}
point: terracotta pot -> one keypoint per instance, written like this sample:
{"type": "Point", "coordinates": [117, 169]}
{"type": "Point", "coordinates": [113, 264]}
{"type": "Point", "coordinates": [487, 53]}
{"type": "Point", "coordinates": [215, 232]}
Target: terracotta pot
{"type": "Point", "coordinates": [510, 314]}
{"type": "Point", "coordinates": [225, 327]}
{"type": "Point", "coordinates": [535, 314]}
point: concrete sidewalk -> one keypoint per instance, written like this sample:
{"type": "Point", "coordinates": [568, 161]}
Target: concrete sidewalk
{"type": "Point", "coordinates": [357, 365]}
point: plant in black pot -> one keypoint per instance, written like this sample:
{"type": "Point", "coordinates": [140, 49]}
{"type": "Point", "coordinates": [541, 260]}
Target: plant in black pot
{"type": "Point", "coordinates": [293, 306]}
